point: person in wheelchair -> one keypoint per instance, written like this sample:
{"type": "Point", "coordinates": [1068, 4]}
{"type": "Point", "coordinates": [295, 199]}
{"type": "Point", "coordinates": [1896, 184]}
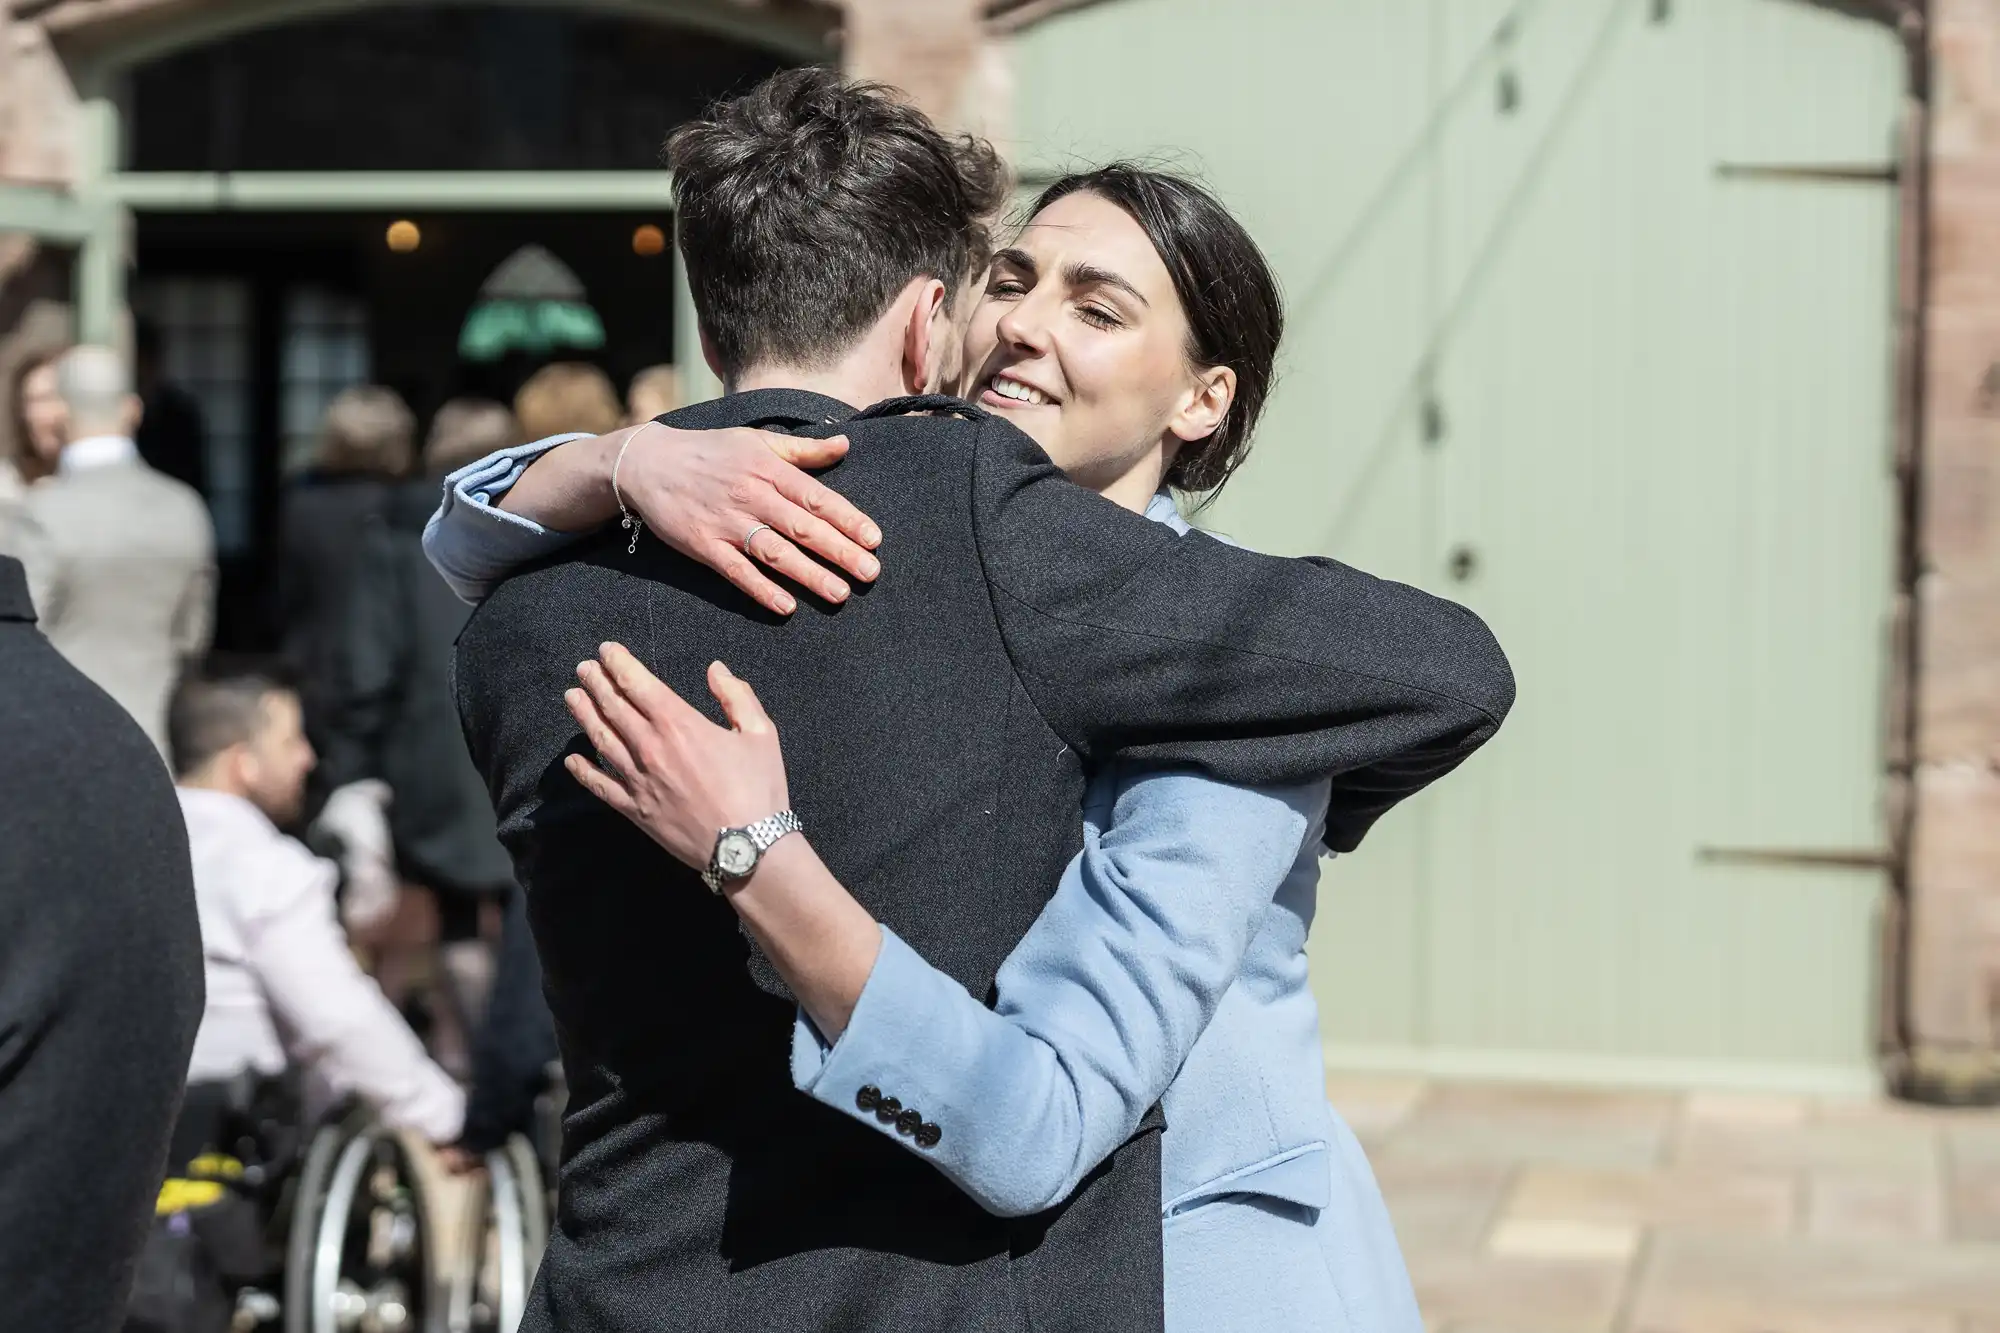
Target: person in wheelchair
{"type": "Point", "coordinates": [291, 1026]}
{"type": "Point", "coordinates": [283, 988]}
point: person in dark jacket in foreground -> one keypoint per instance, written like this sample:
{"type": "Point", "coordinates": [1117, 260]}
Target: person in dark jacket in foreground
{"type": "Point", "coordinates": [100, 983]}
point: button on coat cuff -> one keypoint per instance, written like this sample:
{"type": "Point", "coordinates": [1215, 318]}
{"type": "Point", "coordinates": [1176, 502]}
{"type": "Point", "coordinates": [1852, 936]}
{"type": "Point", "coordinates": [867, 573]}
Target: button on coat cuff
{"type": "Point", "coordinates": [869, 1073]}
{"type": "Point", "coordinates": [920, 1041]}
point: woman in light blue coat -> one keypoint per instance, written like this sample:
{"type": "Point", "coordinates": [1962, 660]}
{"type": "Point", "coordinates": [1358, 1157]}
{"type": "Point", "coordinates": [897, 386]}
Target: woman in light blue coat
{"type": "Point", "coordinates": [1130, 329]}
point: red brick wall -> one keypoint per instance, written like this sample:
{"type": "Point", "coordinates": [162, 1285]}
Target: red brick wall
{"type": "Point", "coordinates": [1955, 866]}
{"type": "Point", "coordinates": [929, 48]}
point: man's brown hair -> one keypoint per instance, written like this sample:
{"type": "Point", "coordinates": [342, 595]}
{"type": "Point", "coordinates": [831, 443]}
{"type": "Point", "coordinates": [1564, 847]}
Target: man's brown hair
{"type": "Point", "coordinates": [806, 204]}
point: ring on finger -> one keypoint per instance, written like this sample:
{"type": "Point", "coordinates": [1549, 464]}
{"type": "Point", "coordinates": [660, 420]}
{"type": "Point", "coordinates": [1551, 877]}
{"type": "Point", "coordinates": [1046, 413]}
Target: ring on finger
{"type": "Point", "coordinates": [761, 527]}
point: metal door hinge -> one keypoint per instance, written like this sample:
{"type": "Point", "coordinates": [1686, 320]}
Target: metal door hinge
{"type": "Point", "coordinates": [1814, 173]}
{"type": "Point", "coordinates": [1857, 858]}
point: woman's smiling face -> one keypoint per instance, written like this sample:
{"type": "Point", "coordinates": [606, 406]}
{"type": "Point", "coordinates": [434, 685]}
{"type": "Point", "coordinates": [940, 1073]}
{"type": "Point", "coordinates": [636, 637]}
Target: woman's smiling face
{"type": "Point", "coordinates": [1080, 340]}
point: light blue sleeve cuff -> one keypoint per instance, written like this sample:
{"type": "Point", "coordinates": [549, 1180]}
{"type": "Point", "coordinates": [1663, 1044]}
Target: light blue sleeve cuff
{"type": "Point", "coordinates": [916, 1037]}
{"type": "Point", "coordinates": [899, 981]}
{"type": "Point", "coordinates": [473, 543]}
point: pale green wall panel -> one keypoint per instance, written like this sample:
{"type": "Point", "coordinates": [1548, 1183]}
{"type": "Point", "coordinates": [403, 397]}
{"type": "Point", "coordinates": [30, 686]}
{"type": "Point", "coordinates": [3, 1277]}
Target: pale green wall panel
{"type": "Point", "coordinates": [1683, 537]}
{"type": "Point", "coordinates": [1664, 401]}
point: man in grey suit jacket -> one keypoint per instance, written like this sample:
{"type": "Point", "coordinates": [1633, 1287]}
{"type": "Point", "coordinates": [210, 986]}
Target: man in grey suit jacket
{"type": "Point", "coordinates": [122, 561]}
{"type": "Point", "coordinates": [938, 726]}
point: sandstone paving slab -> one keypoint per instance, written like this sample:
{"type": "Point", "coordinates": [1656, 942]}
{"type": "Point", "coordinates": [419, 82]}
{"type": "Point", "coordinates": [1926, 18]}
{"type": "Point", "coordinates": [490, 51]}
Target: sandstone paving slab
{"type": "Point", "coordinates": [1374, 1104]}
{"type": "Point", "coordinates": [1975, 1203]}
{"type": "Point", "coordinates": [1879, 1110]}
{"type": "Point", "coordinates": [1739, 1108]}
{"type": "Point", "coordinates": [1546, 1296]}
{"type": "Point", "coordinates": [1699, 1316]}
{"type": "Point", "coordinates": [1501, 1143]}
{"type": "Point", "coordinates": [1725, 1199]}
{"type": "Point", "coordinates": [1442, 1205]}
{"type": "Point", "coordinates": [1541, 1104]}
{"type": "Point", "coordinates": [1563, 1238]}
{"type": "Point", "coordinates": [1689, 1270]}
{"type": "Point", "coordinates": [1457, 1122]}
{"type": "Point", "coordinates": [1834, 1146]}
{"type": "Point", "coordinates": [1896, 1206]}
{"type": "Point", "coordinates": [1973, 1138]}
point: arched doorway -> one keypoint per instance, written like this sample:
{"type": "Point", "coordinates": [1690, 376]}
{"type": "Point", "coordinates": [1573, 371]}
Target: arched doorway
{"type": "Point", "coordinates": [316, 194]}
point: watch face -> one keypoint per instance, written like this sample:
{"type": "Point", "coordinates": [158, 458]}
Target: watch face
{"type": "Point", "coordinates": [735, 854]}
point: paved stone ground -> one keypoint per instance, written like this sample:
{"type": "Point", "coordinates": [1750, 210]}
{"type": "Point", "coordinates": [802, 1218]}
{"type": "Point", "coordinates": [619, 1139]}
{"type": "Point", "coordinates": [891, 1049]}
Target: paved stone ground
{"type": "Point", "coordinates": [1559, 1210]}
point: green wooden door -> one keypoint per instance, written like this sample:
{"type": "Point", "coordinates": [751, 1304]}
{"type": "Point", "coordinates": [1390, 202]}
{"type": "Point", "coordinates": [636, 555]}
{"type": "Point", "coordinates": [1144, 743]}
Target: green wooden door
{"type": "Point", "coordinates": [1551, 356]}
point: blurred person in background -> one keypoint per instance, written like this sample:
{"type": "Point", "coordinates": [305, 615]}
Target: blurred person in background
{"type": "Point", "coordinates": [34, 411]}
{"type": "Point", "coordinates": [100, 983]}
{"type": "Point", "coordinates": [514, 1052]}
{"type": "Point", "coordinates": [655, 391]}
{"type": "Point", "coordinates": [39, 418]}
{"type": "Point", "coordinates": [124, 576]}
{"type": "Point", "coordinates": [283, 987]}
{"type": "Point", "coordinates": [367, 444]}
{"type": "Point", "coordinates": [170, 437]}
{"type": "Point", "coordinates": [391, 720]}
{"type": "Point", "coordinates": [567, 396]}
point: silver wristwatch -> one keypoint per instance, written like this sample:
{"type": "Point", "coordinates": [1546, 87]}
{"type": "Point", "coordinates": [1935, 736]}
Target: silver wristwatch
{"type": "Point", "coordinates": [738, 850]}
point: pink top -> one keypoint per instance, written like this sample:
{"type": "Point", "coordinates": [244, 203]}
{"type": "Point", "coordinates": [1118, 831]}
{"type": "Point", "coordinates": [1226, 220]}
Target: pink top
{"type": "Point", "coordinates": [282, 985]}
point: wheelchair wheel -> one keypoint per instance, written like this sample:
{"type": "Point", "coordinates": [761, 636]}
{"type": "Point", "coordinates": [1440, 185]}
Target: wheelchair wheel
{"type": "Point", "coordinates": [359, 1254]}
{"type": "Point", "coordinates": [507, 1229]}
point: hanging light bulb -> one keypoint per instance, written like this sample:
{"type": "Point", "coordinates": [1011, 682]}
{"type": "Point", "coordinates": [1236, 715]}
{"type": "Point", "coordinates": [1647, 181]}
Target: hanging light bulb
{"type": "Point", "coordinates": [403, 236]}
{"type": "Point", "coordinates": [648, 240]}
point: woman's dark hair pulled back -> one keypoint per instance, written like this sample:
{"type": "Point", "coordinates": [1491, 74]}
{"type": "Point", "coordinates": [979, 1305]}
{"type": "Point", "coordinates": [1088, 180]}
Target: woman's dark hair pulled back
{"type": "Point", "coordinates": [1235, 314]}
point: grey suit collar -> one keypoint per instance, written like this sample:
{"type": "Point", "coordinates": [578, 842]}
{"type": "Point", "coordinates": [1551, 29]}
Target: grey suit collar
{"type": "Point", "coordinates": [14, 601]}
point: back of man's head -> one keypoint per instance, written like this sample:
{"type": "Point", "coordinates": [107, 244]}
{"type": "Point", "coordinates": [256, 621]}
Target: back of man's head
{"type": "Point", "coordinates": [368, 430]}
{"type": "Point", "coordinates": [466, 430]}
{"type": "Point", "coordinates": [96, 389]}
{"type": "Point", "coordinates": [566, 396]}
{"type": "Point", "coordinates": [807, 204]}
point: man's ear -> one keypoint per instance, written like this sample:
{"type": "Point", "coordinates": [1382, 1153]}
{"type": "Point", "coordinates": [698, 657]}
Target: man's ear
{"type": "Point", "coordinates": [924, 335]}
{"type": "Point", "coordinates": [134, 411]}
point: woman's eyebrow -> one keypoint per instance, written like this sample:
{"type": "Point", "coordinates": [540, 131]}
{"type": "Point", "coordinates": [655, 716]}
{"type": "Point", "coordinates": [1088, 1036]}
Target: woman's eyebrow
{"type": "Point", "coordinates": [1089, 275]}
{"type": "Point", "coordinates": [1020, 259]}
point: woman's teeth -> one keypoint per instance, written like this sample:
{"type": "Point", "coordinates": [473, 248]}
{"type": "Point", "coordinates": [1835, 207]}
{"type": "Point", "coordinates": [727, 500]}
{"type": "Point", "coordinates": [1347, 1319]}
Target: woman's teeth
{"type": "Point", "coordinates": [1020, 393]}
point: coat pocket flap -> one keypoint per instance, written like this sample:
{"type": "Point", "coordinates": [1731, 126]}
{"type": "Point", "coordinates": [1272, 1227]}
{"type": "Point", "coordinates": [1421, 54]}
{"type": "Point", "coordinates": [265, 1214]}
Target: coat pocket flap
{"type": "Point", "coordinates": [1301, 1175]}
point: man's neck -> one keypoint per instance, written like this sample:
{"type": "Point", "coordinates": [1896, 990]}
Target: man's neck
{"type": "Point", "coordinates": [205, 779]}
{"type": "Point", "coordinates": [857, 385]}
{"type": "Point", "coordinates": [96, 450]}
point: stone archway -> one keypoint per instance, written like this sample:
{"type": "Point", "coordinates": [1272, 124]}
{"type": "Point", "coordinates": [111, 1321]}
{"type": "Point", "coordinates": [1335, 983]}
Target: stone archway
{"type": "Point", "coordinates": [57, 56]}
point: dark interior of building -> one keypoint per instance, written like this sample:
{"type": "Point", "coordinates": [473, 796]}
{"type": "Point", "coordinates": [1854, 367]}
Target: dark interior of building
{"type": "Point", "coordinates": [260, 317]}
